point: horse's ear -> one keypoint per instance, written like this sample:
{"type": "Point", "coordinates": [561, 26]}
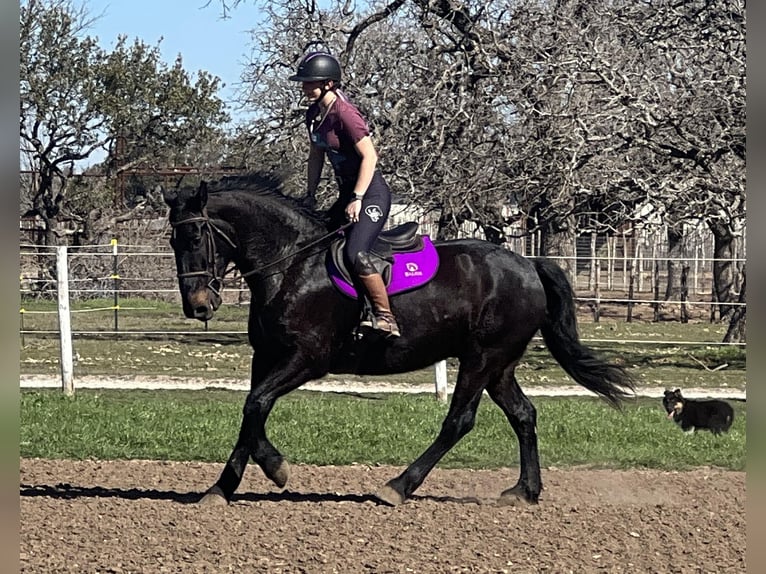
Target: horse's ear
{"type": "Point", "coordinates": [169, 195]}
{"type": "Point", "coordinates": [202, 193]}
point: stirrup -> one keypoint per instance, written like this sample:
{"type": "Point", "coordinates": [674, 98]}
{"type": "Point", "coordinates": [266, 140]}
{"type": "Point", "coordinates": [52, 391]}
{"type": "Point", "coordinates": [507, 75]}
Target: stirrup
{"type": "Point", "coordinates": [383, 322]}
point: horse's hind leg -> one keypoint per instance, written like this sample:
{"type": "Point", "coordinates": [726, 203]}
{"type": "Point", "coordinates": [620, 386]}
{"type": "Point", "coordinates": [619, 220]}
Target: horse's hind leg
{"type": "Point", "coordinates": [522, 415]}
{"type": "Point", "coordinates": [459, 421]}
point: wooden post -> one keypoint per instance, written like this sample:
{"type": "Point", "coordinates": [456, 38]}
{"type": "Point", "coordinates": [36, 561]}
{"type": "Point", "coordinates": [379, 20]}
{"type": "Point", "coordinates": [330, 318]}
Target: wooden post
{"type": "Point", "coordinates": [656, 279]}
{"type": "Point", "coordinates": [632, 278]}
{"type": "Point", "coordinates": [655, 272]}
{"type": "Point", "coordinates": [65, 326]}
{"type": "Point", "coordinates": [611, 253]}
{"type": "Point", "coordinates": [696, 269]}
{"type": "Point", "coordinates": [115, 285]}
{"type": "Point", "coordinates": [625, 278]}
{"type": "Point", "coordinates": [597, 291]}
{"type": "Point", "coordinates": [592, 274]}
{"type": "Point", "coordinates": [440, 370]}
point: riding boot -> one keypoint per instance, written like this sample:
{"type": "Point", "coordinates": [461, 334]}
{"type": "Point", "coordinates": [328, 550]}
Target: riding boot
{"type": "Point", "coordinates": [383, 319]}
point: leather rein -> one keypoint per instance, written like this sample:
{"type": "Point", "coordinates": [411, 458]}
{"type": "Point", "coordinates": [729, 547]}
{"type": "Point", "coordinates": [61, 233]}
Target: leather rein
{"type": "Point", "coordinates": [216, 283]}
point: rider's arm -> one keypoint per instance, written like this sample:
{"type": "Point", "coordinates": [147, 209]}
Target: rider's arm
{"type": "Point", "coordinates": [315, 165]}
{"type": "Point", "coordinates": [369, 157]}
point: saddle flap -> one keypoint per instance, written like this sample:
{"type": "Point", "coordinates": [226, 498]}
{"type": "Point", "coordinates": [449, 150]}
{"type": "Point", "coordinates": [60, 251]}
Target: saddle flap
{"type": "Point", "coordinates": [403, 270]}
{"type": "Point", "coordinates": [336, 264]}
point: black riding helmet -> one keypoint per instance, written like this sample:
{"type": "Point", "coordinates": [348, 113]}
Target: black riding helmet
{"type": "Point", "coordinates": [317, 66]}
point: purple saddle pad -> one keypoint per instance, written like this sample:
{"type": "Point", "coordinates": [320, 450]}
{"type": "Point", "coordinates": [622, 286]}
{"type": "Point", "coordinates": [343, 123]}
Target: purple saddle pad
{"type": "Point", "coordinates": [409, 270]}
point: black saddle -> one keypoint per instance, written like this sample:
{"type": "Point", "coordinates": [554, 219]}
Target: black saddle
{"type": "Point", "coordinates": [403, 238]}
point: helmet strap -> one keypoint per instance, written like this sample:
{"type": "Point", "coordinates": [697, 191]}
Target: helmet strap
{"type": "Point", "coordinates": [325, 89]}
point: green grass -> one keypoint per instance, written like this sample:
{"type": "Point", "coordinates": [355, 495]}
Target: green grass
{"type": "Point", "coordinates": [330, 429]}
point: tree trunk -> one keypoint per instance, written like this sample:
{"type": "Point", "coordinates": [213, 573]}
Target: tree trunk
{"type": "Point", "coordinates": [723, 268]}
{"type": "Point", "coordinates": [737, 331]}
{"type": "Point", "coordinates": [447, 228]}
{"type": "Point", "coordinates": [559, 244]}
{"type": "Point", "coordinates": [675, 251]}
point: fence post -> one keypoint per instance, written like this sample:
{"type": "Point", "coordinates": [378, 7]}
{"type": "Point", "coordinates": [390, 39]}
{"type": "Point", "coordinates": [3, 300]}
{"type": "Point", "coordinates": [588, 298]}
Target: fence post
{"type": "Point", "coordinates": [593, 255]}
{"type": "Point", "coordinates": [632, 278]}
{"type": "Point", "coordinates": [440, 370]}
{"type": "Point", "coordinates": [597, 291]}
{"type": "Point", "coordinates": [684, 292]}
{"type": "Point", "coordinates": [115, 285]}
{"type": "Point", "coordinates": [656, 280]}
{"type": "Point", "coordinates": [65, 326]}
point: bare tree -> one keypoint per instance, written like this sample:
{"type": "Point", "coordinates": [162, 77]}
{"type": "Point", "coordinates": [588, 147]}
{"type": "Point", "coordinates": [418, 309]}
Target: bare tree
{"type": "Point", "coordinates": [586, 114]}
{"type": "Point", "coordinates": [59, 125]}
{"type": "Point", "coordinates": [77, 99]}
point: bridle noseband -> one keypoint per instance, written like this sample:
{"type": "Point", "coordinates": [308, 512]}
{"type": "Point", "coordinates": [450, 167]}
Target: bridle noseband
{"type": "Point", "coordinates": [216, 283]}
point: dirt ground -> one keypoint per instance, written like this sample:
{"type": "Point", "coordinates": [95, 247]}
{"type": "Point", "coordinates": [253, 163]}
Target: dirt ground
{"type": "Point", "coordinates": [141, 516]}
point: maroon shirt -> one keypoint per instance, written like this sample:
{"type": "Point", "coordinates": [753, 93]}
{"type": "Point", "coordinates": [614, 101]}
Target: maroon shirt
{"type": "Point", "coordinates": [343, 127]}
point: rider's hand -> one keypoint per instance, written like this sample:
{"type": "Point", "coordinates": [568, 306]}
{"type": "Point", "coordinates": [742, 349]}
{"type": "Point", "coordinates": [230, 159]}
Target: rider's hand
{"type": "Point", "coordinates": [353, 210]}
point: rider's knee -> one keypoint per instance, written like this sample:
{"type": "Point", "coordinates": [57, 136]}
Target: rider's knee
{"type": "Point", "coordinates": [363, 264]}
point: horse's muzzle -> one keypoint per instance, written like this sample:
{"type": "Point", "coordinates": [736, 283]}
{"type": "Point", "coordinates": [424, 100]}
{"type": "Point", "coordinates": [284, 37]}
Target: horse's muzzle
{"type": "Point", "coordinates": [201, 305]}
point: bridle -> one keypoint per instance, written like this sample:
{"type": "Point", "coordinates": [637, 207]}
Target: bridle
{"type": "Point", "coordinates": [211, 272]}
{"type": "Point", "coordinates": [216, 283]}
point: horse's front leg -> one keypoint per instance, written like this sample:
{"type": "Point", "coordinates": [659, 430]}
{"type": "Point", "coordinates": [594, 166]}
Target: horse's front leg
{"type": "Point", "coordinates": [252, 440]}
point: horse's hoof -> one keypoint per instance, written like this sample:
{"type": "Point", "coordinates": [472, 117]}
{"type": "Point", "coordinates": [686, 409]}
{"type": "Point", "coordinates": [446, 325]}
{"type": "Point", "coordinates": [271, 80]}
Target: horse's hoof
{"type": "Point", "coordinates": [278, 471]}
{"type": "Point", "coordinates": [515, 497]}
{"type": "Point", "coordinates": [389, 495]}
{"type": "Point", "coordinates": [214, 497]}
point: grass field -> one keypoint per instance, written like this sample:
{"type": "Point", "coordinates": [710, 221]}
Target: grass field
{"type": "Point", "coordinates": [322, 428]}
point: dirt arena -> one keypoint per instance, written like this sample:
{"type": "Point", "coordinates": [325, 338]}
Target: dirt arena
{"type": "Point", "coordinates": [136, 516]}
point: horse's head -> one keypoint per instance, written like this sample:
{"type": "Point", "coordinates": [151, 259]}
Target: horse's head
{"type": "Point", "coordinates": [200, 248]}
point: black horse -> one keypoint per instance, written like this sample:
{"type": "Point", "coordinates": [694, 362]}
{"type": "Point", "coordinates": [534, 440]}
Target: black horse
{"type": "Point", "coordinates": [483, 307]}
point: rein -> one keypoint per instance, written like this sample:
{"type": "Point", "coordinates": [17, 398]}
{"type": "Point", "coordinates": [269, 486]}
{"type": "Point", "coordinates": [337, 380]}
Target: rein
{"type": "Point", "coordinates": [294, 253]}
{"type": "Point", "coordinates": [210, 245]}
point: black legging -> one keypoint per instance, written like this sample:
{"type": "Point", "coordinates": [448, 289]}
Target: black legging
{"type": "Point", "coordinates": [361, 236]}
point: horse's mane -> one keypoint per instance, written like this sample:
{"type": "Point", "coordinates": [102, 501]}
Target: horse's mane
{"type": "Point", "coordinates": [263, 184]}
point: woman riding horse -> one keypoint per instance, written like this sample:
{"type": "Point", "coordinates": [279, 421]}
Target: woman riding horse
{"type": "Point", "coordinates": [337, 128]}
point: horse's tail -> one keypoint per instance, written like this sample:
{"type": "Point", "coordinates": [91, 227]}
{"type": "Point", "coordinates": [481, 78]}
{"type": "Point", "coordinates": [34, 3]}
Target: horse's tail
{"type": "Point", "coordinates": [559, 331]}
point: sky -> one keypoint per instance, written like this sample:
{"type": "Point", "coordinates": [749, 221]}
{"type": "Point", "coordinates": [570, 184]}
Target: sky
{"type": "Point", "coordinates": [189, 27]}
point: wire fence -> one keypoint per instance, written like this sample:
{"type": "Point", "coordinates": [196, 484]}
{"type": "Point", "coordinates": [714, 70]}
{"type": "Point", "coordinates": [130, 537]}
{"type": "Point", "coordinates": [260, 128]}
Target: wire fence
{"type": "Point", "coordinates": [120, 282]}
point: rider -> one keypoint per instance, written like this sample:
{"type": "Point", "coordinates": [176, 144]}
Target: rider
{"type": "Point", "coordinates": [337, 128]}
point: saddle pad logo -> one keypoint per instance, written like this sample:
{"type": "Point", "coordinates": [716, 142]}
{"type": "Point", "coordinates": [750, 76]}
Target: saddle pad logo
{"type": "Point", "coordinates": [412, 270]}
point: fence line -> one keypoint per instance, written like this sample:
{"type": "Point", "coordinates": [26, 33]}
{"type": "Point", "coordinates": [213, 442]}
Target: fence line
{"type": "Point", "coordinates": [120, 270]}
{"type": "Point", "coordinates": [65, 331]}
